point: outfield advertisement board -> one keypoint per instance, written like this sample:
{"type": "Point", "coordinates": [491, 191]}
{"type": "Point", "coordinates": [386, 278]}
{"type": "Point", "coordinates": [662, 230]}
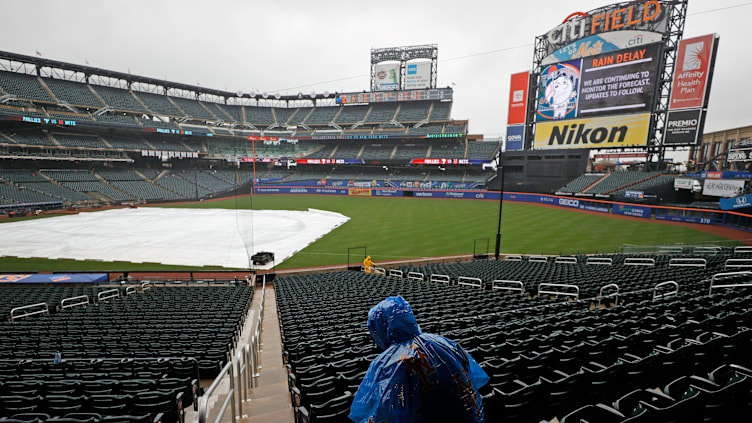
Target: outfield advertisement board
{"type": "Point", "coordinates": [645, 16]}
{"type": "Point", "coordinates": [418, 75]}
{"type": "Point", "coordinates": [741, 202]}
{"type": "Point", "coordinates": [687, 219]}
{"type": "Point", "coordinates": [632, 210]}
{"type": "Point", "coordinates": [518, 87]}
{"type": "Point", "coordinates": [515, 138]}
{"type": "Point", "coordinates": [723, 187]}
{"type": "Point", "coordinates": [601, 43]}
{"type": "Point", "coordinates": [694, 64]}
{"type": "Point", "coordinates": [602, 132]}
{"type": "Point", "coordinates": [387, 76]}
{"type": "Point", "coordinates": [683, 127]}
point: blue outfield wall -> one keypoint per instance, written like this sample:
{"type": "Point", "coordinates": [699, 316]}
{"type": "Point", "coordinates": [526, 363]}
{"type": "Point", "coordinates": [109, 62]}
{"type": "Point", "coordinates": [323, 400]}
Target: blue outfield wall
{"type": "Point", "coordinates": [675, 214]}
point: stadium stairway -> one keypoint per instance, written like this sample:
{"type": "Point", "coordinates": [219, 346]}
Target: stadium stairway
{"type": "Point", "coordinates": [270, 401]}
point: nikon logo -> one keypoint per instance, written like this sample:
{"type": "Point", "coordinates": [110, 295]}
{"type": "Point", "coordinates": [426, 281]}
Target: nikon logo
{"type": "Point", "coordinates": [581, 134]}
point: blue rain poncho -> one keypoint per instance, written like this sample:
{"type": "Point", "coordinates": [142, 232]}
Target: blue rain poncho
{"type": "Point", "coordinates": [419, 376]}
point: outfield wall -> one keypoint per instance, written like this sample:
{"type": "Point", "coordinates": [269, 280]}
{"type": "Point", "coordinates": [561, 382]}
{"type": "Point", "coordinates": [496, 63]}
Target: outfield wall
{"type": "Point", "coordinates": [675, 214]}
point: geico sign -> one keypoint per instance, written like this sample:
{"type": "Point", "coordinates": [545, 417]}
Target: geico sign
{"type": "Point", "coordinates": [568, 202]}
{"type": "Point", "coordinates": [603, 132]}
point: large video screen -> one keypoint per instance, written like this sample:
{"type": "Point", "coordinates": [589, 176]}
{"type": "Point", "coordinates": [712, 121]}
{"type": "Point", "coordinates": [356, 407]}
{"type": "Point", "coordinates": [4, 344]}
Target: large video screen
{"type": "Point", "coordinates": [578, 95]}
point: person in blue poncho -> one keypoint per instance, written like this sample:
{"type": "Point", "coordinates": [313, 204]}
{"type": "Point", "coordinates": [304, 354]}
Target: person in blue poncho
{"type": "Point", "coordinates": [419, 377]}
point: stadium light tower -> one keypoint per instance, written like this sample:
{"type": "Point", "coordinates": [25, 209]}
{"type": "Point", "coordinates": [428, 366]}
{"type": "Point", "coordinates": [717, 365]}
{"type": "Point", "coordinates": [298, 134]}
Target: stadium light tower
{"type": "Point", "coordinates": [499, 174]}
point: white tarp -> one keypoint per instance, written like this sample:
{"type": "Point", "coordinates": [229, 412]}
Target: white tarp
{"type": "Point", "coordinates": [188, 237]}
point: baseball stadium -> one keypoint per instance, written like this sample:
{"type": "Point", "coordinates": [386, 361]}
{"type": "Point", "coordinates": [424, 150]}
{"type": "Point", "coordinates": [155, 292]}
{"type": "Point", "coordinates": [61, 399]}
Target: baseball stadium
{"type": "Point", "coordinates": [593, 264]}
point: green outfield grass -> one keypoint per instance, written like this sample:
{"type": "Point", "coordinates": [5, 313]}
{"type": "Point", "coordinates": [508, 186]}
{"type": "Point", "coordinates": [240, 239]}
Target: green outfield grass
{"type": "Point", "coordinates": [396, 228]}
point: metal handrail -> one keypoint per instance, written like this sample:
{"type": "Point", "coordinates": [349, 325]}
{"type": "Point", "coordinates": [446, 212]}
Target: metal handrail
{"type": "Point", "coordinates": [743, 249]}
{"type": "Point", "coordinates": [203, 406]}
{"type": "Point", "coordinates": [732, 285]}
{"type": "Point", "coordinates": [64, 303]}
{"type": "Point", "coordinates": [106, 295]}
{"type": "Point", "coordinates": [495, 285]}
{"type": "Point", "coordinates": [607, 261]}
{"type": "Point", "coordinates": [565, 260]}
{"type": "Point", "coordinates": [576, 294]}
{"type": "Point", "coordinates": [130, 290]}
{"type": "Point", "coordinates": [707, 250]}
{"type": "Point", "coordinates": [145, 286]}
{"type": "Point", "coordinates": [738, 263]}
{"type": "Point", "coordinates": [667, 294]}
{"type": "Point", "coordinates": [416, 276]}
{"type": "Point", "coordinates": [467, 281]}
{"type": "Point", "coordinates": [513, 258]}
{"type": "Point", "coordinates": [603, 288]}
{"type": "Point", "coordinates": [537, 259]}
{"type": "Point", "coordinates": [394, 273]}
{"type": "Point", "coordinates": [13, 311]}
{"type": "Point", "coordinates": [637, 261]}
{"type": "Point", "coordinates": [671, 250]}
{"type": "Point", "coordinates": [688, 262]}
{"type": "Point", "coordinates": [441, 278]}
{"type": "Point", "coordinates": [379, 271]}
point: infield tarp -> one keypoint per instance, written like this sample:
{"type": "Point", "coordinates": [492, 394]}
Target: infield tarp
{"type": "Point", "coordinates": [187, 237]}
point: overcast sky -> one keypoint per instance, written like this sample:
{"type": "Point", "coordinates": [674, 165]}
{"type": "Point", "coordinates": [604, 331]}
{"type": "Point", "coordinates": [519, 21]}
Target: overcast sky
{"type": "Point", "coordinates": [304, 46]}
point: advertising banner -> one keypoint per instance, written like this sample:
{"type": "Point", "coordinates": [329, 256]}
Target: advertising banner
{"type": "Point", "coordinates": [630, 210]}
{"type": "Point", "coordinates": [603, 132]}
{"type": "Point", "coordinates": [387, 76]}
{"type": "Point", "coordinates": [361, 192]}
{"type": "Point", "coordinates": [517, 111]}
{"type": "Point", "coordinates": [515, 138]}
{"type": "Point", "coordinates": [558, 91]}
{"type": "Point", "coordinates": [736, 203]}
{"type": "Point", "coordinates": [723, 187]}
{"type": "Point", "coordinates": [739, 155]}
{"type": "Point", "coordinates": [694, 62]}
{"type": "Point", "coordinates": [449, 161]}
{"type": "Point", "coordinates": [418, 75]}
{"type": "Point", "coordinates": [634, 194]}
{"type": "Point", "coordinates": [676, 218]}
{"type": "Point", "coordinates": [647, 16]}
{"type": "Point", "coordinates": [389, 96]}
{"type": "Point", "coordinates": [602, 43]}
{"type": "Point", "coordinates": [329, 161]}
{"type": "Point", "coordinates": [55, 278]}
{"type": "Point", "coordinates": [619, 82]}
{"type": "Point", "coordinates": [683, 127]}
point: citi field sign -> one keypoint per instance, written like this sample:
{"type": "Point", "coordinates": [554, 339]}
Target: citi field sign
{"type": "Point", "coordinates": [647, 16]}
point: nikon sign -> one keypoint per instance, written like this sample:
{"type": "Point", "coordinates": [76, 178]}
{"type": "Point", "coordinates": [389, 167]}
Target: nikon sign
{"type": "Point", "coordinates": [603, 132]}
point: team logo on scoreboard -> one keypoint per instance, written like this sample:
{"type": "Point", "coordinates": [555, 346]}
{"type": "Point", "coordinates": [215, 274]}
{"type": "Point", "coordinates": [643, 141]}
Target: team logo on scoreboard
{"type": "Point", "coordinates": [558, 91]}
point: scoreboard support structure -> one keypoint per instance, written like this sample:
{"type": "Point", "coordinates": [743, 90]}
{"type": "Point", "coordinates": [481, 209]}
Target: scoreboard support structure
{"type": "Point", "coordinates": [655, 148]}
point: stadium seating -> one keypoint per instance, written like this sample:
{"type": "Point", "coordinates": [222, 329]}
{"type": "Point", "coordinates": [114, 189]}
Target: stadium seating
{"type": "Point", "coordinates": [411, 151]}
{"type": "Point", "coordinates": [298, 117]}
{"type": "Point", "coordinates": [425, 130]}
{"type": "Point", "coordinates": [119, 99]}
{"type": "Point", "coordinates": [382, 112]}
{"type": "Point", "coordinates": [546, 357]}
{"type": "Point", "coordinates": [454, 150]}
{"type": "Point", "coordinates": [374, 151]}
{"type": "Point", "coordinates": [31, 138]}
{"type": "Point", "coordinates": [127, 143]}
{"type": "Point", "coordinates": [75, 140]}
{"type": "Point", "coordinates": [413, 111]}
{"type": "Point", "coordinates": [480, 150]}
{"type": "Point", "coordinates": [620, 180]}
{"type": "Point", "coordinates": [141, 355]}
{"type": "Point", "coordinates": [159, 104]}
{"type": "Point", "coordinates": [24, 86]}
{"type": "Point", "coordinates": [117, 120]}
{"type": "Point", "coordinates": [441, 111]}
{"type": "Point", "coordinates": [73, 93]}
{"type": "Point", "coordinates": [581, 182]}
{"type": "Point", "coordinates": [101, 188]}
{"type": "Point", "coordinates": [322, 115]}
{"type": "Point", "coordinates": [20, 195]}
{"type": "Point", "coordinates": [351, 114]}
{"type": "Point", "coordinates": [183, 187]}
{"type": "Point", "coordinates": [663, 180]}
{"type": "Point", "coordinates": [56, 190]}
{"type": "Point", "coordinates": [260, 116]}
{"type": "Point", "coordinates": [192, 108]}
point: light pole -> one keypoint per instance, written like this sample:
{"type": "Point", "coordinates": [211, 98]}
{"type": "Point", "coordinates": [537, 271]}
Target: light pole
{"type": "Point", "coordinates": [499, 174]}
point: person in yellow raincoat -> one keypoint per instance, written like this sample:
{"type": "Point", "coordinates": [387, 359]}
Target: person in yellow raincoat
{"type": "Point", "coordinates": [368, 265]}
